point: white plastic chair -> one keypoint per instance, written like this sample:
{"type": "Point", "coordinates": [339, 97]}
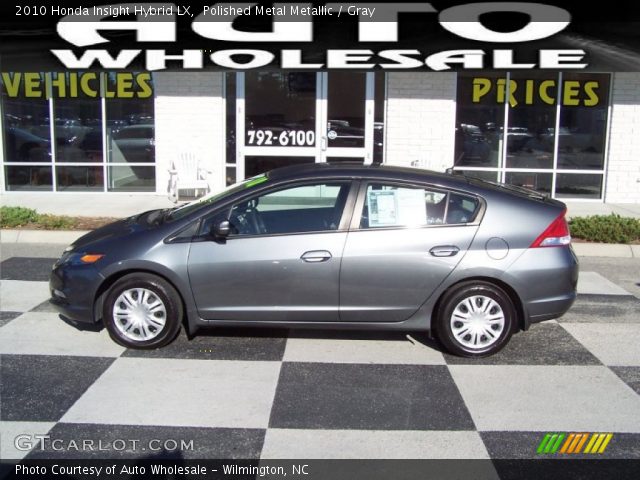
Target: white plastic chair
{"type": "Point", "coordinates": [187, 174]}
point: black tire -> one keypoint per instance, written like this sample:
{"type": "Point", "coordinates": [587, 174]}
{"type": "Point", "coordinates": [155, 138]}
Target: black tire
{"type": "Point", "coordinates": [444, 322]}
{"type": "Point", "coordinates": [160, 290]}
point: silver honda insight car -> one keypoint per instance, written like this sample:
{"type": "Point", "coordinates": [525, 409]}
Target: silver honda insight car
{"type": "Point", "coordinates": [330, 246]}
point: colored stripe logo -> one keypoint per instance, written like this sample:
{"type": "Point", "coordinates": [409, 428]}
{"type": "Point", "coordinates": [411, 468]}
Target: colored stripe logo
{"type": "Point", "coordinates": [572, 443]}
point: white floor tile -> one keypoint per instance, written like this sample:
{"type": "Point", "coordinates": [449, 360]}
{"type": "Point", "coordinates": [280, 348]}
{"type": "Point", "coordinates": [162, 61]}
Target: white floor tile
{"type": "Point", "coordinates": [204, 393]}
{"type": "Point", "coordinates": [360, 351]}
{"type": "Point", "coordinates": [547, 398]}
{"type": "Point", "coordinates": [613, 344]}
{"type": "Point", "coordinates": [596, 284]}
{"type": "Point", "coordinates": [371, 444]}
{"type": "Point", "coordinates": [36, 333]}
{"type": "Point", "coordinates": [22, 296]}
{"type": "Point", "coordinates": [17, 438]}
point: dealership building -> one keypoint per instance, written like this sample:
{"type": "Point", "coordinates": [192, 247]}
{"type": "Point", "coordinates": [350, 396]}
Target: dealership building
{"type": "Point", "coordinates": [574, 136]}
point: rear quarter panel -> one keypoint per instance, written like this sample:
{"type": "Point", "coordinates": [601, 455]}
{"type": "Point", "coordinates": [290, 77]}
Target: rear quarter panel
{"type": "Point", "coordinates": [510, 224]}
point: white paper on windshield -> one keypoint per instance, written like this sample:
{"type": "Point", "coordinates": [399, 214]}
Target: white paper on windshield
{"type": "Point", "coordinates": [403, 206]}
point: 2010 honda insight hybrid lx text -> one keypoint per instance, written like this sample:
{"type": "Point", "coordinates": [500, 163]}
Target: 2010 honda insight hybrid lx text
{"type": "Point", "coordinates": [330, 246]}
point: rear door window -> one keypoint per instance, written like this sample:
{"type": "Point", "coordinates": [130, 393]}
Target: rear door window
{"type": "Point", "coordinates": [387, 205]}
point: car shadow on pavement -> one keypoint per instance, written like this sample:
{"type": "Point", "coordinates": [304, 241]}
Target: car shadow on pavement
{"type": "Point", "coordinates": [416, 338]}
{"type": "Point", "coordinates": [83, 327]}
{"type": "Point", "coordinates": [421, 338]}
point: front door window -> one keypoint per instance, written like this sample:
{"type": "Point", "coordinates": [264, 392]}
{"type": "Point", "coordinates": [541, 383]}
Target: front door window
{"type": "Point", "coordinates": [299, 209]}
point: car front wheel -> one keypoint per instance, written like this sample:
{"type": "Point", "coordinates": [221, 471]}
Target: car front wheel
{"type": "Point", "coordinates": [476, 319]}
{"type": "Point", "coordinates": [142, 311]}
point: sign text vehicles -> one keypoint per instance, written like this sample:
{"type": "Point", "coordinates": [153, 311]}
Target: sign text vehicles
{"type": "Point", "coordinates": [72, 85]}
{"type": "Point", "coordinates": [573, 93]}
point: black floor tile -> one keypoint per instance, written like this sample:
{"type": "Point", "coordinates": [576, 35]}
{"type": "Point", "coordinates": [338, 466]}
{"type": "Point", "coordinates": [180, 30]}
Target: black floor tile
{"type": "Point", "coordinates": [373, 397]}
{"type": "Point", "coordinates": [6, 317]}
{"type": "Point", "coordinates": [43, 387]}
{"type": "Point", "coordinates": [524, 445]}
{"type": "Point", "coordinates": [223, 344]}
{"type": "Point", "coordinates": [26, 268]}
{"type": "Point", "coordinates": [603, 309]}
{"type": "Point", "coordinates": [542, 344]}
{"type": "Point", "coordinates": [630, 376]}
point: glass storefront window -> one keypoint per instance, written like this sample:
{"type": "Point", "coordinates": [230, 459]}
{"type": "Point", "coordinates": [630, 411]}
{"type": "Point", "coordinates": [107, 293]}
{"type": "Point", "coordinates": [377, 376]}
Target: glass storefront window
{"type": "Point", "coordinates": [480, 120]}
{"type": "Point", "coordinates": [541, 182]}
{"type": "Point", "coordinates": [583, 122]}
{"type": "Point", "coordinates": [26, 135]}
{"type": "Point", "coordinates": [130, 178]}
{"type": "Point", "coordinates": [80, 178]}
{"type": "Point", "coordinates": [78, 124]}
{"type": "Point", "coordinates": [324, 117]}
{"type": "Point", "coordinates": [255, 165]}
{"type": "Point", "coordinates": [230, 107]}
{"type": "Point", "coordinates": [280, 109]}
{"type": "Point", "coordinates": [532, 120]}
{"type": "Point", "coordinates": [584, 186]}
{"type": "Point", "coordinates": [230, 176]}
{"type": "Point", "coordinates": [531, 107]}
{"type": "Point", "coordinates": [68, 145]}
{"type": "Point", "coordinates": [130, 132]}
{"type": "Point", "coordinates": [230, 87]}
{"type": "Point", "coordinates": [490, 176]}
{"type": "Point", "coordinates": [378, 124]}
{"type": "Point", "coordinates": [346, 109]}
{"type": "Point", "coordinates": [28, 177]}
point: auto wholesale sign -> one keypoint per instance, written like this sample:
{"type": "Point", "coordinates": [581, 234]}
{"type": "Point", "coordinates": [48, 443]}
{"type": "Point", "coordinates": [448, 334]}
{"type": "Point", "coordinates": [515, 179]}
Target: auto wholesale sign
{"type": "Point", "coordinates": [403, 36]}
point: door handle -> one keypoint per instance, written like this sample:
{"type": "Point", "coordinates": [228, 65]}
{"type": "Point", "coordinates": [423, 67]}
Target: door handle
{"type": "Point", "coordinates": [444, 251]}
{"type": "Point", "coordinates": [316, 256]}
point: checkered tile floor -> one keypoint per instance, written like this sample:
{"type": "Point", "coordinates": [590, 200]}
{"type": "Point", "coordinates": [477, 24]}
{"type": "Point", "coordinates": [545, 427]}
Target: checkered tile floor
{"type": "Point", "coordinates": [277, 394]}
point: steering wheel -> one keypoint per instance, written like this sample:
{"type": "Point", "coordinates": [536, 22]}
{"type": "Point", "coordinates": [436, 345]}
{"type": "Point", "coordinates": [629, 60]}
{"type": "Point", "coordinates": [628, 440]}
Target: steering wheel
{"type": "Point", "coordinates": [253, 216]}
{"type": "Point", "coordinates": [247, 219]}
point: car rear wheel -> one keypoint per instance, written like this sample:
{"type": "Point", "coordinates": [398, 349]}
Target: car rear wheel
{"type": "Point", "coordinates": [142, 311]}
{"type": "Point", "coordinates": [476, 319]}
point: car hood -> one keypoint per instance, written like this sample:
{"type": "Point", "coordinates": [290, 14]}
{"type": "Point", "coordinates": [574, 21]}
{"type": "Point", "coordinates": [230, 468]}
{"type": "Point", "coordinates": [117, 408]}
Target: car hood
{"type": "Point", "coordinates": [119, 229]}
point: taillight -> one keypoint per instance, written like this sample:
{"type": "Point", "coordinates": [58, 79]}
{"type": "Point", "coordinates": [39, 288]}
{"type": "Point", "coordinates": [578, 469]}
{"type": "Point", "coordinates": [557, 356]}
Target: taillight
{"type": "Point", "coordinates": [555, 235]}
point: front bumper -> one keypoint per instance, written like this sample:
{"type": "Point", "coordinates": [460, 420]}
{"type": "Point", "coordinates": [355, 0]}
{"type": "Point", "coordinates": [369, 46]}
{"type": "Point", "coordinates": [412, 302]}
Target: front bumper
{"type": "Point", "coordinates": [73, 290]}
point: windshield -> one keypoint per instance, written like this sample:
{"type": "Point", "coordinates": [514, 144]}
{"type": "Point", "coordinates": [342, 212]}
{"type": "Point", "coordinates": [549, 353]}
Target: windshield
{"type": "Point", "coordinates": [187, 208]}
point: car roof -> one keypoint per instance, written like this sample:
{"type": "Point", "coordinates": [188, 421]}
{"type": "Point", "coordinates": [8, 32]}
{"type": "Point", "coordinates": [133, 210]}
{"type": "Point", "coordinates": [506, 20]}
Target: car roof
{"type": "Point", "coordinates": [410, 174]}
{"type": "Point", "coordinates": [355, 170]}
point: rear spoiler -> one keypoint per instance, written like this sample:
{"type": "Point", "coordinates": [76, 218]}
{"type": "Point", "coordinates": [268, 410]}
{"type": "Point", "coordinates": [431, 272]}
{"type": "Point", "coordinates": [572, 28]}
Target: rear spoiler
{"type": "Point", "coordinates": [512, 188]}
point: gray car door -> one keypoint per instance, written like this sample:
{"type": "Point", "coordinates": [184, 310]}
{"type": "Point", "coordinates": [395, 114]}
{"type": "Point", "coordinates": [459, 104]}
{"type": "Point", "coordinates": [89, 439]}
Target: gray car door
{"type": "Point", "coordinates": [405, 241]}
{"type": "Point", "coordinates": [283, 261]}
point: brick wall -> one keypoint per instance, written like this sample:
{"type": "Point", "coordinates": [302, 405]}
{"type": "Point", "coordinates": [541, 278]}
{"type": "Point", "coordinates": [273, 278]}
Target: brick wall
{"type": "Point", "coordinates": [623, 180]}
{"type": "Point", "coordinates": [189, 117]}
{"type": "Point", "coordinates": [420, 123]}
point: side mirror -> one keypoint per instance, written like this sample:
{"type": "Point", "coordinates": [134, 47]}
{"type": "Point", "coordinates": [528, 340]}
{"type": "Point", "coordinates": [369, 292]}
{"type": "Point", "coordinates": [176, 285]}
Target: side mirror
{"type": "Point", "coordinates": [222, 229]}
